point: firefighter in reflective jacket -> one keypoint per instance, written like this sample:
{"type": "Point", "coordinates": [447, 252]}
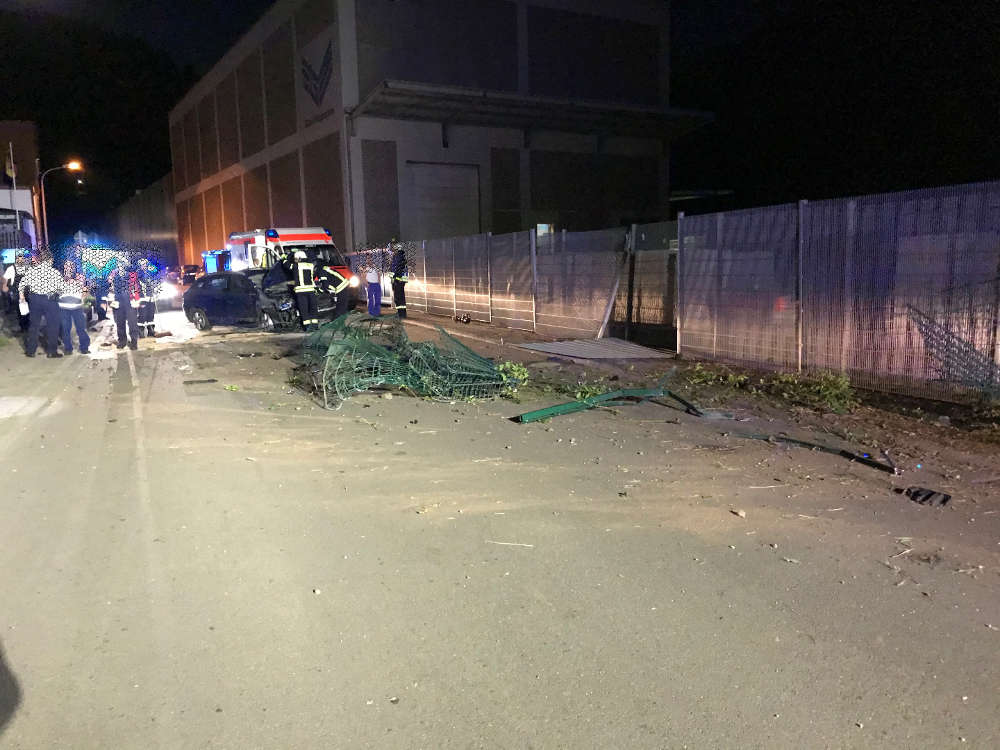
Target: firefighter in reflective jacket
{"type": "Point", "coordinates": [302, 272]}
{"type": "Point", "coordinates": [331, 281]}
{"type": "Point", "coordinates": [400, 275]}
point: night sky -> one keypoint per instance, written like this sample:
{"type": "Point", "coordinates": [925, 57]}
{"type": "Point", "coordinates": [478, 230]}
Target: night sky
{"type": "Point", "coordinates": [192, 32]}
{"type": "Point", "coordinates": [813, 98]}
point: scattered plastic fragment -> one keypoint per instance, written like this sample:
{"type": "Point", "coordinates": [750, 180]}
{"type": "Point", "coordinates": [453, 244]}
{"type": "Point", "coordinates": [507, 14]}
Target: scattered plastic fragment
{"type": "Point", "coordinates": [924, 496]}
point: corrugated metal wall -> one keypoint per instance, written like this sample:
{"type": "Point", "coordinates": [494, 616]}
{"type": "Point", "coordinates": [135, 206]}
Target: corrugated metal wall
{"type": "Point", "coordinates": [901, 291]}
{"type": "Point", "coordinates": [738, 286]}
{"type": "Point", "coordinates": [558, 286]}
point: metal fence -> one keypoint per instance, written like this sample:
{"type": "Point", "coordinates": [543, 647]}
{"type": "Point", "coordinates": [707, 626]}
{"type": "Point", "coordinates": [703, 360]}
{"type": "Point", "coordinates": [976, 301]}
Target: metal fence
{"type": "Point", "coordinates": [557, 285]}
{"type": "Point", "coordinates": [901, 291]}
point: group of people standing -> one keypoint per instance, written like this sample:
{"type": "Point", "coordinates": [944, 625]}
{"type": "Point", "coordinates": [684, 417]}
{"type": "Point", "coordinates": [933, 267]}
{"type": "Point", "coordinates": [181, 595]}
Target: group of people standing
{"type": "Point", "coordinates": [51, 304]}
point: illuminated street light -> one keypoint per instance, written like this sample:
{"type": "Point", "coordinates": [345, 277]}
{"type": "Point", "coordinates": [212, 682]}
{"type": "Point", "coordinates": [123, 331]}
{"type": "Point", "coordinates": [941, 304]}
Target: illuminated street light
{"type": "Point", "coordinates": [73, 165]}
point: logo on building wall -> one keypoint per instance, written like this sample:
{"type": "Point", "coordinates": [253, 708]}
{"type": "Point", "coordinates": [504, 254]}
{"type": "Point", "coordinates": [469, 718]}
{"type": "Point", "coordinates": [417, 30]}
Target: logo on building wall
{"type": "Point", "coordinates": [316, 82]}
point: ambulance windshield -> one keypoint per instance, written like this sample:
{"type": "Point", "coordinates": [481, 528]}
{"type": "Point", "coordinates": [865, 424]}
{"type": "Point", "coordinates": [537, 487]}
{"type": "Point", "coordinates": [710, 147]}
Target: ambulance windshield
{"type": "Point", "coordinates": [329, 253]}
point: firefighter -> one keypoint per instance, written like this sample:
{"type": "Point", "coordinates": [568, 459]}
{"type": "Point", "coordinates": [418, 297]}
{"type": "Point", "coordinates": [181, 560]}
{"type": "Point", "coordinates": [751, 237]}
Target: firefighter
{"type": "Point", "coordinates": [302, 271]}
{"type": "Point", "coordinates": [400, 275]}
{"type": "Point", "coordinates": [330, 281]}
{"type": "Point", "coordinates": [147, 305]}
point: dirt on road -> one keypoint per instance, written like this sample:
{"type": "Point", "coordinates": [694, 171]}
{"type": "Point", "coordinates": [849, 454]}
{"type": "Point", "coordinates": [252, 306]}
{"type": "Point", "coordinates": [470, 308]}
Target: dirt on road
{"type": "Point", "coordinates": [195, 554]}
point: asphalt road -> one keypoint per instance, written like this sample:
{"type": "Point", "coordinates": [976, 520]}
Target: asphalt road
{"type": "Point", "coordinates": [185, 566]}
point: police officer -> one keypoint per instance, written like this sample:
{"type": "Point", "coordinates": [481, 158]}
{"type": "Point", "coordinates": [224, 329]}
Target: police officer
{"type": "Point", "coordinates": [124, 282]}
{"type": "Point", "coordinates": [400, 275]}
{"type": "Point", "coordinates": [302, 271]}
{"type": "Point", "coordinates": [40, 288]}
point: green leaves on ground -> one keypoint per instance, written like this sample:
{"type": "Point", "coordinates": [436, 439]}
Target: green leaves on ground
{"type": "Point", "coordinates": [514, 375]}
{"type": "Point", "coordinates": [824, 391]}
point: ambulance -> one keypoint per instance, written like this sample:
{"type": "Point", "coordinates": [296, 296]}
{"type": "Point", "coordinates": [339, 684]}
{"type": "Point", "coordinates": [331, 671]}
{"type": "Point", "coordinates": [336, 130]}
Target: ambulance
{"type": "Point", "coordinates": [264, 248]}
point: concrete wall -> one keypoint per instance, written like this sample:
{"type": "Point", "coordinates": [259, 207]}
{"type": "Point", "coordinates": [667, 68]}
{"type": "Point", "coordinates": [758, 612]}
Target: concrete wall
{"type": "Point", "coordinates": [253, 143]}
{"type": "Point", "coordinates": [149, 218]}
{"type": "Point", "coordinates": [262, 139]}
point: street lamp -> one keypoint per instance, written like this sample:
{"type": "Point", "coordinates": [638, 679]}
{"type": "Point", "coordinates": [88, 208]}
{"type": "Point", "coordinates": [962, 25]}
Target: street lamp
{"type": "Point", "coordinates": [73, 166]}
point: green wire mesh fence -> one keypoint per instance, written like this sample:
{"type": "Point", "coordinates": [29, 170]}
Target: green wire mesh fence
{"type": "Point", "coordinates": [357, 352]}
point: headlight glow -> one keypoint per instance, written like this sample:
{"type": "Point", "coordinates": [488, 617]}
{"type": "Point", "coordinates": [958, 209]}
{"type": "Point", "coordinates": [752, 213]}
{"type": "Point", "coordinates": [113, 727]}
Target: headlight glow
{"type": "Point", "coordinates": [354, 281]}
{"type": "Point", "coordinates": [167, 291]}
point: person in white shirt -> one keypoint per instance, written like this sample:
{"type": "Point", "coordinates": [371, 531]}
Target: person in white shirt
{"type": "Point", "coordinates": [374, 292]}
{"type": "Point", "coordinates": [40, 288]}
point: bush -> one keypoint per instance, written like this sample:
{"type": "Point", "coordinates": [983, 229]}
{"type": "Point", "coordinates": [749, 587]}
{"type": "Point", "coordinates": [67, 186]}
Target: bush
{"type": "Point", "coordinates": [514, 375]}
{"type": "Point", "coordinates": [829, 391]}
{"type": "Point", "coordinates": [825, 391]}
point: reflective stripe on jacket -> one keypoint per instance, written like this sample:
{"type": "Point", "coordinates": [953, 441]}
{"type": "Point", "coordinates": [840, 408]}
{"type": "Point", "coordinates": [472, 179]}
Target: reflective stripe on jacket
{"type": "Point", "coordinates": [304, 277]}
{"type": "Point", "coordinates": [338, 282]}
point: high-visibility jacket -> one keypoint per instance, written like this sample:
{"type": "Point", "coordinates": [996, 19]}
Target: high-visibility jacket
{"type": "Point", "coordinates": [71, 294]}
{"type": "Point", "coordinates": [304, 277]}
{"type": "Point", "coordinates": [338, 282]}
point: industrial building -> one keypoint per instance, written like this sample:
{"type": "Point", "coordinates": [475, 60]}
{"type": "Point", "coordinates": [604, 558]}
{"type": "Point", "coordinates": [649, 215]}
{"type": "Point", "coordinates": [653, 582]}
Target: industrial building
{"type": "Point", "coordinates": [419, 119]}
{"type": "Point", "coordinates": [148, 219]}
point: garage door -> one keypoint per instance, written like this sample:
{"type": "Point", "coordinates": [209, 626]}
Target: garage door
{"type": "Point", "coordinates": [443, 200]}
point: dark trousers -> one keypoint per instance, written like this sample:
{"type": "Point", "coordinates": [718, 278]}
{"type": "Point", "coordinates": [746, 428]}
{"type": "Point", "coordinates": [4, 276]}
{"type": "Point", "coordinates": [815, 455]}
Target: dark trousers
{"type": "Point", "coordinates": [42, 308]}
{"type": "Point", "coordinates": [147, 310]}
{"type": "Point", "coordinates": [126, 314]}
{"type": "Point", "coordinates": [308, 308]}
{"type": "Point", "coordinates": [399, 297]}
{"type": "Point", "coordinates": [374, 299]}
{"type": "Point", "coordinates": [76, 318]}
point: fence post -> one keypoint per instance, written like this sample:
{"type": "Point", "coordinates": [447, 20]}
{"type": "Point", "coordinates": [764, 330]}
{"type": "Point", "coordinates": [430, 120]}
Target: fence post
{"type": "Point", "coordinates": [423, 258]}
{"type": "Point", "coordinates": [798, 282]}
{"type": "Point", "coordinates": [630, 294]}
{"type": "Point", "coordinates": [534, 280]}
{"type": "Point", "coordinates": [715, 286]}
{"type": "Point", "coordinates": [845, 334]}
{"type": "Point", "coordinates": [489, 275]}
{"type": "Point", "coordinates": [680, 285]}
{"type": "Point", "coordinates": [454, 282]}
{"type": "Point", "coordinates": [613, 297]}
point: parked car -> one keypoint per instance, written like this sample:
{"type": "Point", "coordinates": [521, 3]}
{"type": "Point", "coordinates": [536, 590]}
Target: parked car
{"type": "Point", "coordinates": [188, 274]}
{"type": "Point", "coordinates": [224, 298]}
